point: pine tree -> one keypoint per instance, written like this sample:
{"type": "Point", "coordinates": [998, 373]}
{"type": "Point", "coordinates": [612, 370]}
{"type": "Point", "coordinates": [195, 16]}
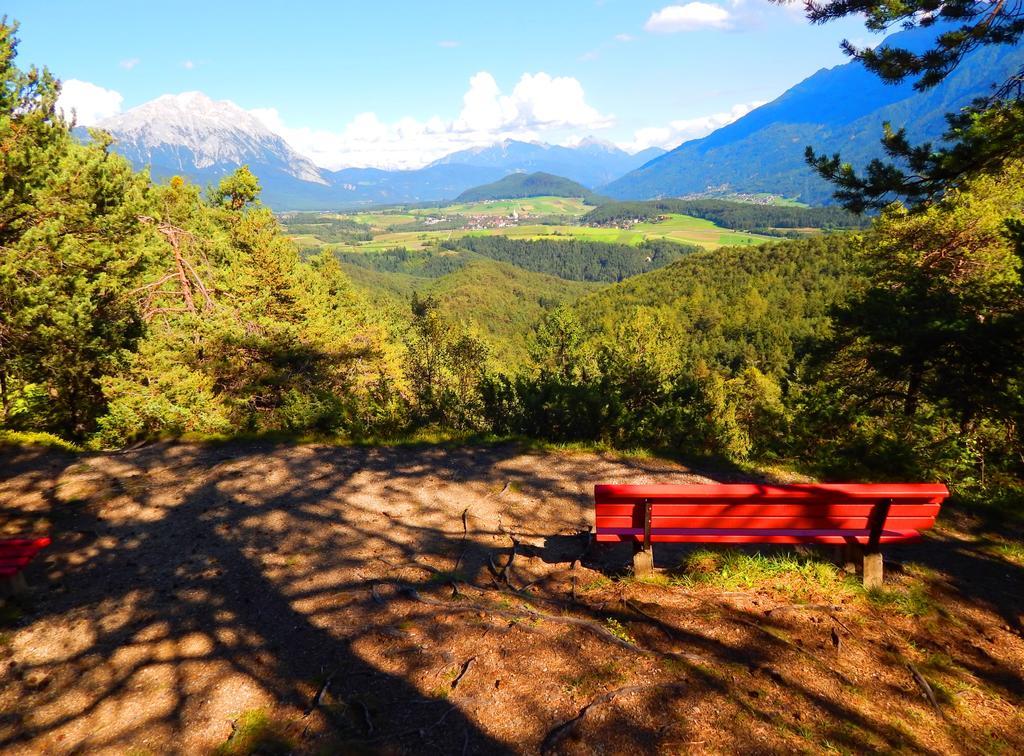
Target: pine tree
{"type": "Point", "coordinates": [73, 248]}
{"type": "Point", "coordinates": [980, 139]}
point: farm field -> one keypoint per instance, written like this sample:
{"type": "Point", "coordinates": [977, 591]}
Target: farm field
{"type": "Point", "coordinates": [529, 205]}
{"type": "Point", "coordinates": [678, 228]}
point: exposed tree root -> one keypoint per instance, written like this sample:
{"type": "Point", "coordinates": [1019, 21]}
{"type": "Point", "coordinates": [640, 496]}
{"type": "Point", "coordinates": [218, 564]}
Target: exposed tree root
{"type": "Point", "coordinates": [564, 730]}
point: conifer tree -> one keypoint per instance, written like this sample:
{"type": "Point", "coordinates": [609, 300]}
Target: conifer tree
{"type": "Point", "coordinates": [73, 248]}
{"type": "Point", "coordinates": [980, 139]}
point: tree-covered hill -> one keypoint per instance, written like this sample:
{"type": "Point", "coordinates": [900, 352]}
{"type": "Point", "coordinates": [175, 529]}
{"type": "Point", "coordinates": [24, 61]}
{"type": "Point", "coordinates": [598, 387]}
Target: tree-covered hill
{"type": "Point", "coordinates": [742, 216]}
{"type": "Point", "coordinates": [520, 185]}
{"type": "Point", "coordinates": [575, 259]}
{"type": "Point", "coordinates": [735, 308]}
{"type": "Point", "coordinates": [501, 303]}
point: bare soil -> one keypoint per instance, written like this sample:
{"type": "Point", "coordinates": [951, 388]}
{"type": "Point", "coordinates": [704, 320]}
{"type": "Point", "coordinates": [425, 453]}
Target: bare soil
{"type": "Point", "coordinates": [409, 600]}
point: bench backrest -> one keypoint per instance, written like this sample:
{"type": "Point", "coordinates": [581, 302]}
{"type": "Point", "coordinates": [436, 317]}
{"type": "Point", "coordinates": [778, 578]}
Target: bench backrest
{"type": "Point", "coordinates": [16, 553]}
{"type": "Point", "coordinates": [755, 513]}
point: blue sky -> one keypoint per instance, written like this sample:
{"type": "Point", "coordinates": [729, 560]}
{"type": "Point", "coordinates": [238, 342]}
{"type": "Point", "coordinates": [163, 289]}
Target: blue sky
{"type": "Point", "coordinates": [388, 82]}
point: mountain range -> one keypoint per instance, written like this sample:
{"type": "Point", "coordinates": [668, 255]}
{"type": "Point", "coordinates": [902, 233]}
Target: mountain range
{"type": "Point", "coordinates": [838, 109]}
{"type": "Point", "coordinates": [592, 162]}
{"type": "Point", "coordinates": [203, 139]}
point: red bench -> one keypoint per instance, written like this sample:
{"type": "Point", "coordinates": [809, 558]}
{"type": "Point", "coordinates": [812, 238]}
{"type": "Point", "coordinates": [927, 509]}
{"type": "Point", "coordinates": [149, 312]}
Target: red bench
{"type": "Point", "coordinates": [15, 554]}
{"type": "Point", "coordinates": [857, 516]}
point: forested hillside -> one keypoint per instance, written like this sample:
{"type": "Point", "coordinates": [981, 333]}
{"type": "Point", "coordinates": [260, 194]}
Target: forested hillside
{"type": "Point", "coordinates": [744, 216]}
{"type": "Point", "coordinates": [133, 310]}
{"type": "Point", "coordinates": [521, 185]}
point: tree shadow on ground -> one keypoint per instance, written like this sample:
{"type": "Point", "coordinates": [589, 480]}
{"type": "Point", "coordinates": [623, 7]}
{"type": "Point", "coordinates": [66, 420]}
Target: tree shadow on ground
{"type": "Point", "coordinates": [373, 600]}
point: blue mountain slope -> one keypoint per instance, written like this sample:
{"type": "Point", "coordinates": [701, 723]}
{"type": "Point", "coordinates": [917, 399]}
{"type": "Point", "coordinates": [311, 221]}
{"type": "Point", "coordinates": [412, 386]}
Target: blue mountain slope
{"type": "Point", "coordinates": [839, 109]}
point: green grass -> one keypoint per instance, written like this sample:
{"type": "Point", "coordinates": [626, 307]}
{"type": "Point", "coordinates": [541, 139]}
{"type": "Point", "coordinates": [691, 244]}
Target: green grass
{"type": "Point", "coordinates": [1011, 551]}
{"type": "Point", "coordinates": [679, 228]}
{"type": "Point", "coordinates": [526, 205]}
{"type": "Point", "coordinates": [912, 600]}
{"type": "Point", "coordinates": [47, 440]}
{"type": "Point", "coordinates": [684, 228]}
{"type": "Point", "coordinates": [254, 732]}
{"type": "Point", "coordinates": [788, 572]}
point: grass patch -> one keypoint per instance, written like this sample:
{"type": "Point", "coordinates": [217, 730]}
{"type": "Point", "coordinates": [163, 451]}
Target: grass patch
{"type": "Point", "coordinates": [33, 438]}
{"type": "Point", "coordinates": [788, 572]}
{"type": "Point", "coordinates": [596, 584]}
{"type": "Point", "coordinates": [913, 600]}
{"type": "Point", "coordinates": [619, 630]}
{"type": "Point", "coordinates": [1011, 551]}
{"type": "Point", "coordinates": [254, 732]}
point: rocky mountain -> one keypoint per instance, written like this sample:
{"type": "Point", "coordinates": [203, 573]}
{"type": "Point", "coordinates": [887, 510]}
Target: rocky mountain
{"type": "Point", "coordinates": [839, 109]}
{"type": "Point", "coordinates": [203, 139]}
{"type": "Point", "coordinates": [592, 162]}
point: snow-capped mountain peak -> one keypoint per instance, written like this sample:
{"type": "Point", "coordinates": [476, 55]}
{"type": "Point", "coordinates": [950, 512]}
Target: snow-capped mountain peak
{"type": "Point", "coordinates": [196, 131]}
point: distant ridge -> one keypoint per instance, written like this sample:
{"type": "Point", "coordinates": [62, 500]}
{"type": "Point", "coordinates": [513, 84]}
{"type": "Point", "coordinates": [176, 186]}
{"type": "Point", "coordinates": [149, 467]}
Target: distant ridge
{"type": "Point", "coordinates": [838, 109]}
{"type": "Point", "coordinates": [522, 185]}
{"type": "Point", "coordinates": [202, 139]}
{"type": "Point", "coordinates": [592, 162]}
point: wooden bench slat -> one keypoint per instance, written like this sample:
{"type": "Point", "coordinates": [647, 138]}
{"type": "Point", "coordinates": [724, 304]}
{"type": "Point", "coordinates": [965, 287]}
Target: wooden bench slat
{"type": "Point", "coordinates": [39, 542]}
{"type": "Point", "coordinates": [925, 492]}
{"type": "Point", "coordinates": [687, 509]}
{"type": "Point", "coordinates": [801, 537]}
{"type": "Point", "coordinates": [793, 522]}
{"type": "Point", "coordinates": [17, 553]}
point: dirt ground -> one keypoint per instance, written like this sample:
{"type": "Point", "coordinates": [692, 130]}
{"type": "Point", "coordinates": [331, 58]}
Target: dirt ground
{"type": "Point", "coordinates": [371, 601]}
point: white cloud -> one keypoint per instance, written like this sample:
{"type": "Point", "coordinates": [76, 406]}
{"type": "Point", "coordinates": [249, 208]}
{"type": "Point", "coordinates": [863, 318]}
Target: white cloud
{"type": "Point", "coordinates": [129, 63]}
{"type": "Point", "coordinates": [448, 43]}
{"type": "Point", "coordinates": [677, 132]}
{"type": "Point", "coordinates": [693, 16]}
{"type": "Point", "coordinates": [538, 103]}
{"type": "Point", "coordinates": [89, 103]}
{"type": "Point", "coordinates": [188, 65]}
{"type": "Point", "coordinates": [624, 37]}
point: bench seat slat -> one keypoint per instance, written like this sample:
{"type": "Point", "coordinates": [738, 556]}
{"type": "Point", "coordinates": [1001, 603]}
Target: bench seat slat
{"type": "Point", "coordinates": [28, 551]}
{"type": "Point", "coordinates": [710, 535]}
{"type": "Point", "coordinates": [804, 522]}
{"type": "Point", "coordinates": [833, 492]}
{"type": "Point", "coordinates": [11, 560]}
{"type": "Point", "coordinates": [17, 553]}
{"type": "Point", "coordinates": [39, 542]}
{"type": "Point", "coordinates": [708, 509]}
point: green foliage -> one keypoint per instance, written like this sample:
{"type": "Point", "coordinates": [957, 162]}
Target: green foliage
{"type": "Point", "coordinates": [73, 246]}
{"type": "Point", "coordinates": [236, 190]}
{"type": "Point", "coordinates": [925, 365]}
{"type": "Point", "coordinates": [575, 259]}
{"type": "Point", "coordinates": [980, 139]}
{"type": "Point", "coordinates": [444, 366]}
{"type": "Point", "coordinates": [522, 185]}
